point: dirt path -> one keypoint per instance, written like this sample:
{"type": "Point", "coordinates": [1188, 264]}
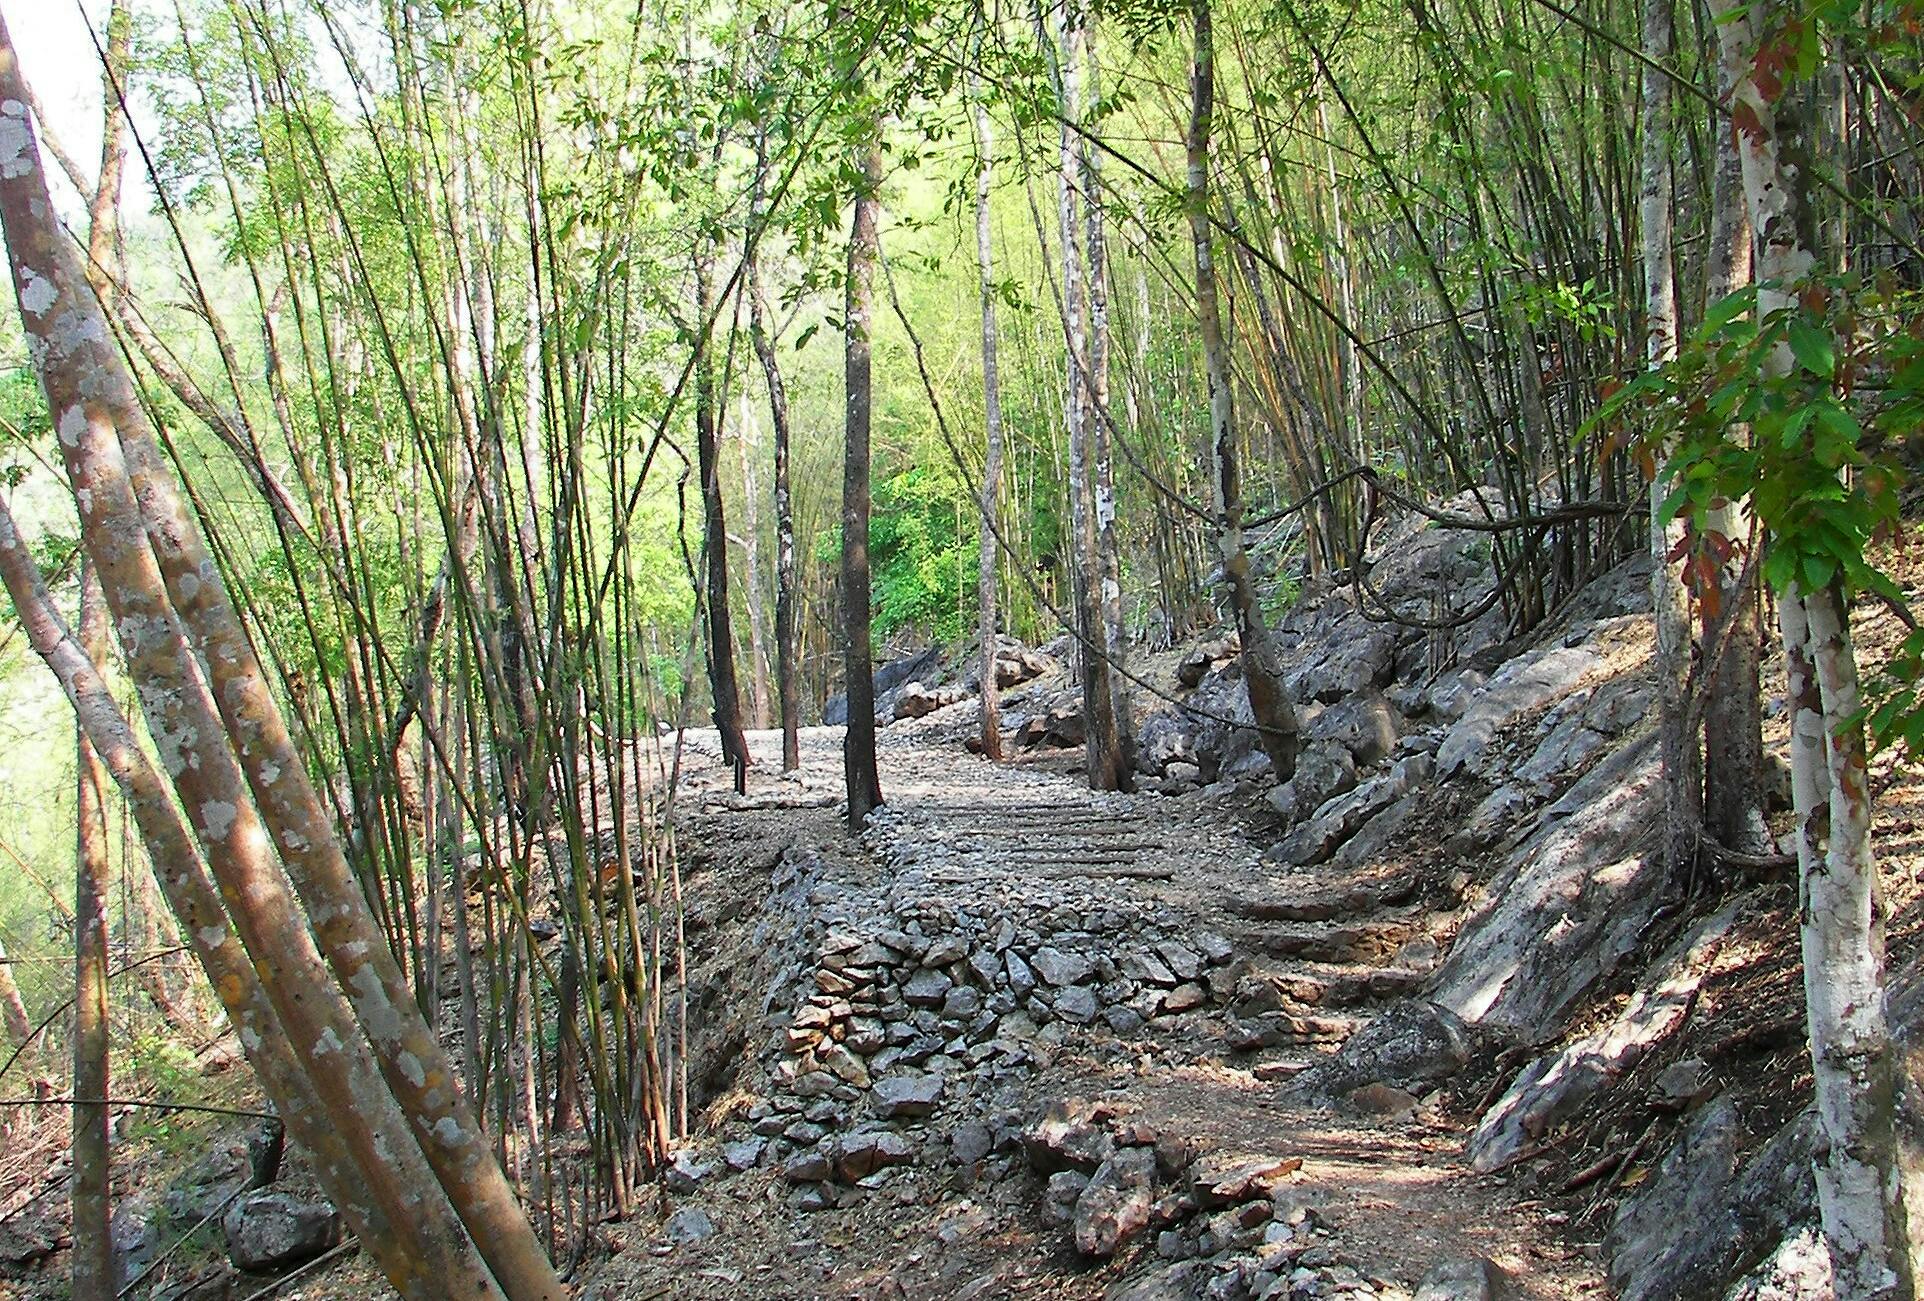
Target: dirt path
{"type": "Point", "coordinates": [1020, 876]}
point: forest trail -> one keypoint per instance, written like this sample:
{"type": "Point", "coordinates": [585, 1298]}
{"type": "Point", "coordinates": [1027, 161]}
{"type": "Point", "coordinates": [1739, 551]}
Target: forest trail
{"type": "Point", "coordinates": [1159, 934]}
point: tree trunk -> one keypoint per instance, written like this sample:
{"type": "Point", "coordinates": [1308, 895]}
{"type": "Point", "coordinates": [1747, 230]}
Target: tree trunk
{"type": "Point", "coordinates": [1682, 773]}
{"type": "Point", "coordinates": [1102, 739]}
{"type": "Point", "coordinates": [1269, 703]}
{"type": "Point", "coordinates": [1860, 1189]}
{"type": "Point", "coordinates": [864, 249]}
{"type": "Point", "coordinates": [721, 624]}
{"type": "Point", "coordinates": [1119, 751]}
{"type": "Point", "coordinates": [93, 1254]}
{"type": "Point", "coordinates": [159, 581]}
{"type": "Point", "coordinates": [752, 562]}
{"type": "Point", "coordinates": [985, 594]}
{"type": "Point", "coordinates": [788, 684]}
{"type": "Point", "coordinates": [1853, 1059]}
{"type": "Point", "coordinates": [1733, 704]}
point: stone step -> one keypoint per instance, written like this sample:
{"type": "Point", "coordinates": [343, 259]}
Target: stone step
{"type": "Point", "coordinates": [1374, 942]}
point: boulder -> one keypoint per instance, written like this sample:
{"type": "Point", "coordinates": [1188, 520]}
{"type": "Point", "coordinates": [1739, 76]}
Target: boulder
{"type": "Point", "coordinates": [1554, 1086]}
{"type": "Point", "coordinates": [688, 1225]}
{"type": "Point", "coordinates": [1324, 770]}
{"type": "Point", "coordinates": [1363, 724]}
{"type": "Point", "coordinates": [1470, 1278]}
{"type": "Point", "coordinates": [273, 1230]}
{"type": "Point", "coordinates": [916, 701]}
{"type": "Point", "coordinates": [1523, 685]}
{"type": "Point", "coordinates": [1409, 1045]}
{"type": "Point", "coordinates": [1114, 1206]}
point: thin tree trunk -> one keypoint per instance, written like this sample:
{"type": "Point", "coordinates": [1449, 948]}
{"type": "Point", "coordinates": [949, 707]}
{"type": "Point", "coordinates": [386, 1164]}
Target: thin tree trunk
{"type": "Point", "coordinates": [720, 622]}
{"type": "Point", "coordinates": [1102, 741]}
{"type": "Point", "coordinates": [985, 594]}
{"type": "Point", "coordinates": [752, 562]}
{"type": "Point", "coordinates": [864, 249]}
{"type": "Point", "coordinates": [787, 654]}
{"type": "Point", "coordinates": [1733, 707]}
{"type": "Point", "coordinates": [1119, 756]}
{"type": "Point", "coordinates": [1269, 703]}
{"type": "Point", "coordinates": [196, 905]}
{"type": "Point", "coordinates": [93, 1255]}
{"type": "Point", "coordinates": [1682, 776]}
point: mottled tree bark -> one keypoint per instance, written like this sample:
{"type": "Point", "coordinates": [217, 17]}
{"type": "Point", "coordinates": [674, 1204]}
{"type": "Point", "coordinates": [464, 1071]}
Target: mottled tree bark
{"type": "Point", "coordinates": [1103, 742]}
{"type": "Point", "coordinates": [93, 1253]}
{"type": "Point", "coordinates": [1269, 703]}
{"type": "Point", "coordinates": [864, 250]}
{"type": "Point", "coordinates": [1733, 708]}
{"type": "Point", "coordinates": [752, 562]}
{"type": "Point", "coordinates": [788, 666]}
{"type": "Point", "coordinates": [192, 895]}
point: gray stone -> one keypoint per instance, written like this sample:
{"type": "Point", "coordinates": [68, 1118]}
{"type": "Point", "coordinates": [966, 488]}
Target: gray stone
{"type": "Point", "coordinates": [945, 951]}
{"type": "Point", "coordinates": [1572, 902]}
{"type": "Point", "coordinates": [1364, 726]}
{"type": "Point", "coordinates": [1524, 684]}
{"type": "Point", "coordinates": [1114, 1207]}
{"type": "Point", "coordinates": [807, 1167]}
{"type": "Point", "coordinates": [1059, 968]}
{"type": "Point", "coordinates": [273, 1230]}
{"type": "Point", "coordinates": [745, 1154]}
{"type": "Point", "coordinates": [962, 1003]}
{"type": "Point", "coordinates": [689, 1224]}
{"type": "Point", "coordinates": [971, 1142]}
{"type": "Point", "coordinates": [1323, 771]}
{"type": "Point", "coordinates": [1408, 1045]}
{"type": "Point", "coordinates": [927, 988]}
{"type": "Point", "coordinates": [1021, 977]}
{"type": "Point", "coordinates": [685, 1172]}
{"type": "Point", "coordinates": [906, 1095]}
{"type": "Point", "coordinates": [1177, 1282]}
{"type": "Point", "coordinates": [1471, 1278]}
{"type": "Point", "coordinates": [1077, 1003]}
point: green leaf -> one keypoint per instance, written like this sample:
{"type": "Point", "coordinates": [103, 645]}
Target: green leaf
{"type": "Point", "coordinates": [1813, 347]}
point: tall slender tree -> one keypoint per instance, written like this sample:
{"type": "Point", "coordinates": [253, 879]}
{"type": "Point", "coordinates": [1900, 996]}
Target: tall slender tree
{"type": "Point", "coordinates": [985, 594]}
{"type": "Point", "coordinates": [93, 1255]}
{"type": "Point", "coordinates": [1269, 703]}
{"type": "Point", "coordinates": [864, 251]}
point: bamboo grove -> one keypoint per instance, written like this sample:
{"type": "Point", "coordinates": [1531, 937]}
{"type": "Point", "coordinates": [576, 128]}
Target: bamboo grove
{"type": "Point", "coordinates": [462, 404]}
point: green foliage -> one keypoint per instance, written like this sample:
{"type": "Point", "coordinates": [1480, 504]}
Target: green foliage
{"type": "Point", "coordinates": [922, 545]}
{"type": "Point", "coordinates": [1797, 412]}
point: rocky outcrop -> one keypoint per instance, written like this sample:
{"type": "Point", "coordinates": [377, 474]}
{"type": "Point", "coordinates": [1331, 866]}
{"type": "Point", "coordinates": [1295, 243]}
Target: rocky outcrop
{"type": "Point", "coordinates": [274, 1230]}
{"type": "Point", "coordinates": [1569, 906]}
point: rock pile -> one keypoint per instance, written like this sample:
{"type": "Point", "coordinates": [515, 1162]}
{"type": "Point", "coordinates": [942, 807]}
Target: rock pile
{"type": "Point", "coordinates": [898, 1012]}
